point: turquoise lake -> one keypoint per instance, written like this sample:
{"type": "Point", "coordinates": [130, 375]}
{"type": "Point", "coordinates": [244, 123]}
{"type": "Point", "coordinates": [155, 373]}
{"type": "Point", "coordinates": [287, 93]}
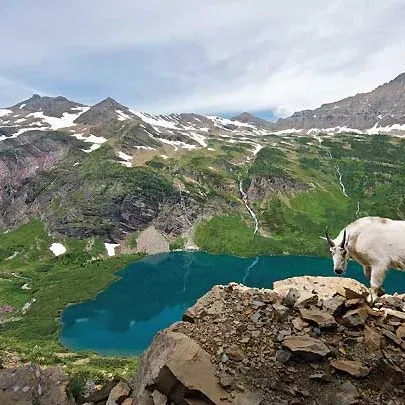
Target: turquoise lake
{"type": "Point", "coordinates": [154, 292]}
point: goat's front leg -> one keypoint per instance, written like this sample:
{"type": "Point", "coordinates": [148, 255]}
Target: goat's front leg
{"type": "Point", "coordinates": [367, 272]}
{"type": "Point", "coordinates": [376, 282]}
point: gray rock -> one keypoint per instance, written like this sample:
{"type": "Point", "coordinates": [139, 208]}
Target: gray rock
{"type": "Point", "coordinates": [283, 355]}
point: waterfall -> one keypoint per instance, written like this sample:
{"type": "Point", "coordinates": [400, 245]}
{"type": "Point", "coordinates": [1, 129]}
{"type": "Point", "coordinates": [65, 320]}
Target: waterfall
{"type": "Point", "coordinates": [247, 272]}
{"type": "Point", "coordinates": [358, 209]}
{"type": "Point", "coordinates": [340, 181]}
{"type": "Point", "coordinates": [340, 177]}
{"type": "Point", "coordinates": [245, 201]}
{"type": "Point", "coordinates": [183, 206]}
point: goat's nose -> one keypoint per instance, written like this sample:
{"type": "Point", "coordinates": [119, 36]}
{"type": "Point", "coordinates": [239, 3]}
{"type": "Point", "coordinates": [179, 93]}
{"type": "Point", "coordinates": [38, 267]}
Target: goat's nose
{"type": "Point", "coordinates": [338, 271]}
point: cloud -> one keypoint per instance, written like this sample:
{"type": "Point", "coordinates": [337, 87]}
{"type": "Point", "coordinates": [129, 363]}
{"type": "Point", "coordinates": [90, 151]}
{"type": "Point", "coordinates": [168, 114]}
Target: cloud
{"type": "Point", "coordinates": [216, 55]}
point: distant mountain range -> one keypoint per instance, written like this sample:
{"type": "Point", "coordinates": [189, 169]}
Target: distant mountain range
{"type": "Point", "coordinates": [379, 111]}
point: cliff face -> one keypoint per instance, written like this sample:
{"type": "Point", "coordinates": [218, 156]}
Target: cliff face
{"type": "Point", "coordinates": [310, 340]}
{"type": "Point", "coordinates": [382, 107]}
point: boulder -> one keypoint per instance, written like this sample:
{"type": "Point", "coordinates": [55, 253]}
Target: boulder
{"type": "Point", "coordinates": [321, 318]}
{"type": "Point", "coordinates": [355, 317]}
{"type": "Point", "coordinates": [306, 347]}
{"type": "Point", "coordinates": [323, 287]}
{"type": "Point", "coordinates": [32, 385]}
{"type": "Point", "coordinates": [354, 368]}
{"type": "Point", "coordinates": [394, 313]}
{"type": "Point", "coordinates": [179, 368]}
{"type": "Point", "coordinates": [119, 393]}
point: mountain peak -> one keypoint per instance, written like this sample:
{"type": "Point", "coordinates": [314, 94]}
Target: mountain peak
{"type": "Point", "coordinates": [104, 111]}
{"type": "Point", "coordinates": [50, 106]}
{"type": "Point", "coordinates": [248, 118]}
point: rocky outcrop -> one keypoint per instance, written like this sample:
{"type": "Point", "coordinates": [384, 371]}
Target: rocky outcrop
{"type": "Point", "coordinates": [32, 385]}
{"type": "Point", "coordinates": [290, 345]}
{"type": "Point", "coordinates": [263, 187]}
{"type": "Point", "coordinates": [382, 107]}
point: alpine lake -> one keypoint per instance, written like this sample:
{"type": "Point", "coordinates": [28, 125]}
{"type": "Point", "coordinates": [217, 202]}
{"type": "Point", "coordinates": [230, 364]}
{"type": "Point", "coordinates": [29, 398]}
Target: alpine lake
{"type": "Point", "coordinates": [154, 292]}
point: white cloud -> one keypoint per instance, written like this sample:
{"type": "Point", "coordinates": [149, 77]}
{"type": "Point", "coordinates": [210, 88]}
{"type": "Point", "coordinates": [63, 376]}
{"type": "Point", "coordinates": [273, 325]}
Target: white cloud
{"type": "Point", "coordinates": [214, 55]}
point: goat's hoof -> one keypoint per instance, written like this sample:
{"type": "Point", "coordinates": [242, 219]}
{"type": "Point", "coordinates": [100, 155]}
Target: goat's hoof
{"type": "Point", "coordinates": [371, 298]}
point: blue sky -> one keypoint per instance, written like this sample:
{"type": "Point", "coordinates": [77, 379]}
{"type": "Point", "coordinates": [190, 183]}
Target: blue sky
{"type": "Point", "coordinates": [188, 55]}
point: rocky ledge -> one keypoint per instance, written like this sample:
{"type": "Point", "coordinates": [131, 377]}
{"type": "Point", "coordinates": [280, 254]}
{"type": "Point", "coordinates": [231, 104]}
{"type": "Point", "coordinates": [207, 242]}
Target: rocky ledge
{"type": "Point", "coordinates": [311, 340]}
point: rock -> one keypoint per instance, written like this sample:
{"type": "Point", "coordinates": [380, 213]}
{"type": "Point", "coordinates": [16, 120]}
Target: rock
{"type": "Point", "coordinates": [355, 317]}
{"type": "Point", "coordinates": [347, 395]}
{"type": "Point", "coordinates": [323, 319]}
{"type": "Point", "coordinates": [299, 324]}
{"type": "Point", "coordinates": [257, 304]}
{"type": "Point", "coordinates": [323, 287]}
{"type": "Point", "coordinates": [159, 398]}
{"type": "Point", "coordinates": [31, 385]}
{"type": "Point", "coordinates": [306, 347]}
{"type": "Point", "coordinates": [322, 377]}
{"type": "Point", "coordinates": [354, 368]}
{"type": "Point", "coordinates": [352, 302]}
{"type": "Point", "coordinates": [372, 339]}
{"type": "Point", "coordinates": [392, 301]}
{"type": "Point", "coordinates": [401, 331]}
{"type": "Point", "coordinates": [353, 293]}
{"type": "Point", "coordinates": [283, 355]}
{"type": "Point", "coordinates": [130, 401]}
{"type": "Point", "coordinates": [306, 299]}
{"type": "Point", "coordinates": [226, 381]}
{"type": "Point", "coordinates": [291, 298]}
{"type": "Point", "coordinates": [120, 392]}
{"type": "Point", "coordinates": [395, 313]}
{"type": "Point", "coordinates": [255, 317]}
{"type": "Point", "coordinates": [392, 337]}
{"type": "Point", "coordinates": [102, 394]}
{"type": "Point", "coordinates": [281, 311]}
{"type": "Point", "coordinates": [334, 305]}
{"type": "Point", "coordinates": [175, 364]}
{"type": "Point", "coordinates": [235, 353]}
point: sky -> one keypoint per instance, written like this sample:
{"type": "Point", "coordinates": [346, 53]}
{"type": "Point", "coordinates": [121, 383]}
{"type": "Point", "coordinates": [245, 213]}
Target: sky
{"type": "Point", "coordinates": [203, 56]}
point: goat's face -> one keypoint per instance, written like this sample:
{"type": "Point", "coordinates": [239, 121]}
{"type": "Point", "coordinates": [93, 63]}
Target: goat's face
{"type": "Point", "coordinates": [340, 258]}
{"type": "Point", "coordinates": [339, 253]}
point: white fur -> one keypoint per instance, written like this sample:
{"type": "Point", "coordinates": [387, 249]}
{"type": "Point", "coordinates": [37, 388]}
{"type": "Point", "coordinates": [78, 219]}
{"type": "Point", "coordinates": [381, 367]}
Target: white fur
{"type": "Point", "coordinates": [377, 244]}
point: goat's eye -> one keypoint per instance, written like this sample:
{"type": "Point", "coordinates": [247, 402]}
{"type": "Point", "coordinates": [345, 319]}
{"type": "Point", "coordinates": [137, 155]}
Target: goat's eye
{"type": "Point", "coordinates": [344, 253]}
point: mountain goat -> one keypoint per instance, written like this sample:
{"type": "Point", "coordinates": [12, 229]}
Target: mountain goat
{"type": "Point", "coordinates": [376, 243]}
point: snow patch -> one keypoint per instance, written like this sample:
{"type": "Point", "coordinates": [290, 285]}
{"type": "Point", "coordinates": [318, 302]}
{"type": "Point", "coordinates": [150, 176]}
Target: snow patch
{"type": "Point", "coordinates": [57, 249]}
{"type": "Point", "coordinates": [110, 247]}
{"type": "Point", "coordinates": [4, 112]}
{"type": "Point", "coordinates": [90, 138]}
{"type": "Point", "coordinates": [22, 106]}
{"type": "Point", "coordinates": [92, 148]}
{"type": "Point", "coordinates": [224, 121]}
{"type": "Point", "coordinates": [57, 123]}
{"type": "Point", "coordinates": [152, 120]}
{"type": "Point", "coordinates": [257, 148]}
{"type": "Point", "coordinates": [199, 138]}
{"type": "Point", "coordinates": [124, 156]}
{"type": "Point", "coordinates": [122, 116]}
{"type": "Point", "coordinates": [177, 144]}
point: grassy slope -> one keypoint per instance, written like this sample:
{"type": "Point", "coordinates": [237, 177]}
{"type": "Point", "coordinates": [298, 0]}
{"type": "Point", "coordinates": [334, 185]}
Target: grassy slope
{"type": "Point", "coordinates": [373, 175]}
{"type": "Point", "coordinates": [54, 282]}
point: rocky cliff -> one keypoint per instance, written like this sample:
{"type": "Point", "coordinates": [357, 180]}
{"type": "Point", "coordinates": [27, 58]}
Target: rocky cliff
{"type": "Point", "coordinates": [311, 340]}
{"type": "Point", "coordinates": [381, 110]}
